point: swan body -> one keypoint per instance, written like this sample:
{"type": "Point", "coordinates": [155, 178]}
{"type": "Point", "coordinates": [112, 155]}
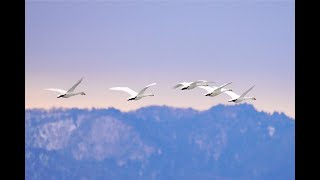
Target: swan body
{"type": "Point", "coordinates": [215, 90]}
{"type": "Point", "coordinates": [69, 93]}
{"type": "Point", "coordinates": [134, 95]}
{"type": "Point", "coordinates": [239, 98]}
{"type": "Point", "coordinates": [191, 85]}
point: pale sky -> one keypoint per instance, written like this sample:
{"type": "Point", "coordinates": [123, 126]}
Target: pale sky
{"type": "Point", "coordinates": [135, 43]}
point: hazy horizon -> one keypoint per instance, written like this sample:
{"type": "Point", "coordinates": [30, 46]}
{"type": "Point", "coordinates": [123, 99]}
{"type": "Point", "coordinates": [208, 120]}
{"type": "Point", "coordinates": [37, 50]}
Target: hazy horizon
{"type": "Point", "coordinates": [156, 105]}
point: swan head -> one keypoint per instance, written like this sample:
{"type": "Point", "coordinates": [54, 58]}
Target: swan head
{"type": "Point", "coordinates": [82, 93]}
{"type": "Point", "coordinates": [253, 98]}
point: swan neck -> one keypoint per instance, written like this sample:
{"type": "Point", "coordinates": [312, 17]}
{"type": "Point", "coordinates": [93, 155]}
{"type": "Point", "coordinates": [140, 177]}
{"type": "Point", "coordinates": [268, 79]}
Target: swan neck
{"type": "Point", "coordinates": [147, 95]}
{"type": "Point", "coordinates": [247, 98]}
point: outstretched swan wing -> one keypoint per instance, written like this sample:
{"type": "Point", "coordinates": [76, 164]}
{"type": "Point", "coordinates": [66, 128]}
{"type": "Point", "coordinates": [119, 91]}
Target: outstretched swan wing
{"type": "Point", "coordinates": [207, 88]}
{"type": "Point", "coordinates": [232, 94]}
{"type": "Point", "coordinates": [199, 81]}
{"type": "Point", "coordinates": [178, 85]}
{"type": "Point", "coordinates": [74, 86]}
{"type": "Point", "coordinates": [125, 89]}
{"type": "Point", "coordinates": [242, 95]}
{"type": "Point", "coordinates": [57, 90]}
{"type": "Point", "coordinates": [224, 85]}
{"type": "Point", "coordinates": [144, 89]}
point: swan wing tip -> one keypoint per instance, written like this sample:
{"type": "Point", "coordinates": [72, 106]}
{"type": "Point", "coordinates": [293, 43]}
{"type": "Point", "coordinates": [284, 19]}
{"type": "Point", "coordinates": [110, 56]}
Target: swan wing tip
{"type": "Point", "coordinates": [152, 84]}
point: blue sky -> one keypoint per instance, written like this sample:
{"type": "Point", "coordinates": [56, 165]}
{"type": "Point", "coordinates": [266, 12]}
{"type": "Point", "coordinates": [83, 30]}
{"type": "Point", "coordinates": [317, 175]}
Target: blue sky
{"type": "Point", "coordinates": [135, 43]}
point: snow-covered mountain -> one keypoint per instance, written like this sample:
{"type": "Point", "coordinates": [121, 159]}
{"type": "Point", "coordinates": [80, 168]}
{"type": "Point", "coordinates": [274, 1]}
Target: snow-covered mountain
{"type": "Point", "coordinates": [159, 142]}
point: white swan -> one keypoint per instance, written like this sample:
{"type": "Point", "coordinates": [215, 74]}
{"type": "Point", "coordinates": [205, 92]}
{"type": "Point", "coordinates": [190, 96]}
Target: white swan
{"type": "Point", "coordinates": [134, 95]}
{"type": "Point", "coordinates": [215, 90]}
{"type": "Point", "coordinates": [191, 85]}
{"type": "Point", "coordinates": [239, 98]}
{"type": "Point", "coordinates": [69, 93]}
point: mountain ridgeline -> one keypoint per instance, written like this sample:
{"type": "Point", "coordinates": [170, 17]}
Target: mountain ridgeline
{"type": "Point", "coordinates": [159, 142]}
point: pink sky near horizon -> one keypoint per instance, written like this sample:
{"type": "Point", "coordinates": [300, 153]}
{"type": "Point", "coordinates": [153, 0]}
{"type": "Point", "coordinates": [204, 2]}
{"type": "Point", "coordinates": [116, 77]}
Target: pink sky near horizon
{"type": "Point", "coordinates": [102, 97]}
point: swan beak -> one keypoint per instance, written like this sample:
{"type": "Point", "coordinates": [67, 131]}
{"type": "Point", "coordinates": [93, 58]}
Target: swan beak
{"type": "Point", "coordinates": [254, 99]}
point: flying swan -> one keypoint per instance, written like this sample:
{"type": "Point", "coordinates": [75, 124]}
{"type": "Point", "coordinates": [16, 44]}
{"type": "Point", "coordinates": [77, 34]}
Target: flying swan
{"type": "Point", "coordinates": [69, 93]}
{"type": "Point", "coordinates": [191, 85]}
{"type": "Point", "coordinates": [134, 95]}
{"type": "Point", "coordinates": [239, 98]}
{"type": "Point", "coordinates": [215, 90]}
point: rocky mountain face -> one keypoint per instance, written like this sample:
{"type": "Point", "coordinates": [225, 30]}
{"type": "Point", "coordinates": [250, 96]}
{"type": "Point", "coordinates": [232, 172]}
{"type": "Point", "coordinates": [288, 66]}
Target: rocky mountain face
{"type": "Point", "coordinates": [159, 142]}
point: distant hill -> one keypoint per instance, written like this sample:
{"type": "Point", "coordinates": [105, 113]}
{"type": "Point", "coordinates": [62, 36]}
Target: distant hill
{"type": "Point", "coordinates": [159, 142]}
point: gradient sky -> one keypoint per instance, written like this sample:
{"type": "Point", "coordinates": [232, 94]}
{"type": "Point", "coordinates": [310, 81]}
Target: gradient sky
{"type": "Point", "coordinates": [135, 43]}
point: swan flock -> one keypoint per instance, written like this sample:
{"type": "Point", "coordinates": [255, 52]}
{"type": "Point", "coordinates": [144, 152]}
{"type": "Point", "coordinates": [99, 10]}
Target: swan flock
{"type": "Point", "coordinates": [211, 91]}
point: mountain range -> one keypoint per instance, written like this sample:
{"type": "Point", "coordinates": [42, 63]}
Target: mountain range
{"type": "Point", "coordinates": [225, 142]}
